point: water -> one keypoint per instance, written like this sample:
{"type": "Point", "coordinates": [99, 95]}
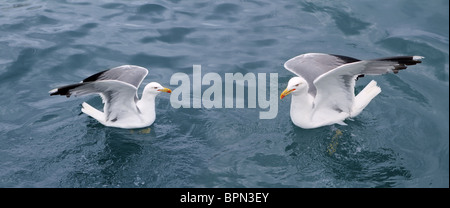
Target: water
{"type": "Point", "coordinates": [399, 140]}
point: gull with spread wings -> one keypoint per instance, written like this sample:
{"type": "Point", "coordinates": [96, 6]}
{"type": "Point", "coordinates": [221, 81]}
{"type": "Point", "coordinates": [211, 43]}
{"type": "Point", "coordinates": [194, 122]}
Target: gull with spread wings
{"type": "Point", "coordinates": [118, 88]}
{"type": "Point", "coordinates": [323, 93]}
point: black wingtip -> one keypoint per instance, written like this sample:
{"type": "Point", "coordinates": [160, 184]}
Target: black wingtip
{"type": "Point", "coordinates": [53, 92]}
{"type": "Point", "coordinates": [57, 92]}
{"type": "Point", "coordinates": [404, 60]}
{"type": "Point", "coordinates": [95, 76]}
{"type": "Point", "coordinates": [65, 90]}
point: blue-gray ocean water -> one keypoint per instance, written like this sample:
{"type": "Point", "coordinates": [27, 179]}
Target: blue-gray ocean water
{"type": "Point", "coordinates": [400, 140]}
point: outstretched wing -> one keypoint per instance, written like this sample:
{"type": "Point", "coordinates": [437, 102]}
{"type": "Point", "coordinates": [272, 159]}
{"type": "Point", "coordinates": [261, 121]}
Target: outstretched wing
{"type": "Point", "coordinates": [130, 74]}
{"type": "Point", "coordinates": [117, 87]}
{"type": "Point", "coordinates": [117, 96]}
{"type": "Point", "coordinates": [309, 66]}
{"type": "Point", "coordinates": [335, 88]}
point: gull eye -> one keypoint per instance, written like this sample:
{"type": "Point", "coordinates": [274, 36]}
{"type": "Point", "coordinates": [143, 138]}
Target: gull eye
{"type": "Point", "coordinates": [297, 85]}
{"type": "Point", "coordinates": [155, 87]}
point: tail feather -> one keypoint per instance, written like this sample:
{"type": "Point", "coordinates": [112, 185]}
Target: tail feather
{"type": "Point", "coordinates": [364, 97]}
{"type": "Point", "coordinates": [94, 113]}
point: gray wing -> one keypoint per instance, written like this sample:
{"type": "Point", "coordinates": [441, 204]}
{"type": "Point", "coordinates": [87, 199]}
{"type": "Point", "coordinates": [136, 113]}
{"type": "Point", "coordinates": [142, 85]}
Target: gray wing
{"type": "Point", "coordinates": [311, 65]}
{"type": "Point", "coordinates": [130, 74]}
{"type": "Point", "coordinates": [119, 97]}
{"type": "Point", "coordinates": [337, 85]}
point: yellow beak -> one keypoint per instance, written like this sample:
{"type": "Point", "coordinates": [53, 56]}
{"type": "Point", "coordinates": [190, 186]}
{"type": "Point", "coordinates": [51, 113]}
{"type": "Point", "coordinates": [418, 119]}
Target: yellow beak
{"type": "Point", "coordinates": [285, 92]}
{"type": "Point", "coordinates": [166, 90]}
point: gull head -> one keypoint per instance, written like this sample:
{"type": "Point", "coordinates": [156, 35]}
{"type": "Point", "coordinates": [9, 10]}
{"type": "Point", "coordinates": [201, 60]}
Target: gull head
{"type": "Point", "coordinates": [295, 84]}
{"type": "Point", "coordinates": [155, 88]}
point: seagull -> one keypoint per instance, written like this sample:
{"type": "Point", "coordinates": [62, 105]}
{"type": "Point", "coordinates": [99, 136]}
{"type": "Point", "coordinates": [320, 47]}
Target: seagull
{"type": "Point", "coordinates": [323, 93]}
{"type": "Point", "coordinates": [118, 89]}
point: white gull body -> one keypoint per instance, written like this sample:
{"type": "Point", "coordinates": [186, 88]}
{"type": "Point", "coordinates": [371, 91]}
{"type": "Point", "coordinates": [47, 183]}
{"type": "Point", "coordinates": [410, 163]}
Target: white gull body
{"type": "Point", "coordinates": [323, 93]}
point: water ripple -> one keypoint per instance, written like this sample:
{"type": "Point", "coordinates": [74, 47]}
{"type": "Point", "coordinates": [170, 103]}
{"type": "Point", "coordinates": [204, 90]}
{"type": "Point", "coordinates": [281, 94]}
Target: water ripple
{"type": "Point", "coordinates": [399, 140]}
